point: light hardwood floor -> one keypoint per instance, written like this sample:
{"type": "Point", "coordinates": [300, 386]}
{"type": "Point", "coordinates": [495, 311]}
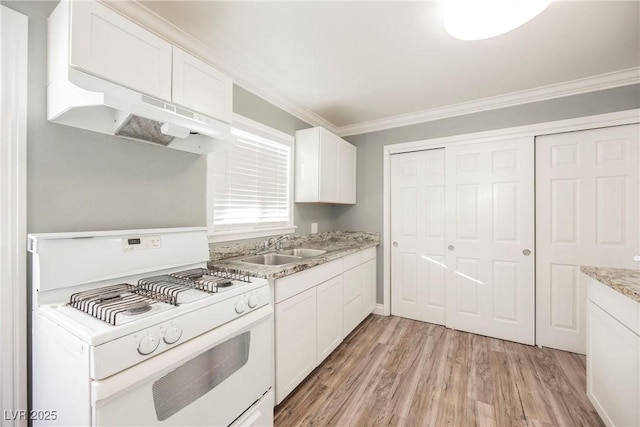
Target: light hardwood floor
{"type": "Point", "coordinates": [396, 371]}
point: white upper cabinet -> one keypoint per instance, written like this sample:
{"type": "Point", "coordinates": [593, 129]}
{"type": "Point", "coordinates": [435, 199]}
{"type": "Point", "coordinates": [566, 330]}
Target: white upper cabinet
{"type": "Point", "coordinates": [200, 87]}
{"type": "Point", "coordinates": [325, 168]}
{"type": "Point", "coordinates": [107, 45]}
{"type": "Point", "coordinates": [347, 173]}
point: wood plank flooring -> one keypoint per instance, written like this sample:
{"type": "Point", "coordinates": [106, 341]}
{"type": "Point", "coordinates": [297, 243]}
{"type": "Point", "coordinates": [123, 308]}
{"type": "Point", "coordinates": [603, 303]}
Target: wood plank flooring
{"type": "Point", "coordinates": [400, 372]}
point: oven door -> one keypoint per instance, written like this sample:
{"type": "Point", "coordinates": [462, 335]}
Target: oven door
{"type": "Point", "coordinates": [209, 380]}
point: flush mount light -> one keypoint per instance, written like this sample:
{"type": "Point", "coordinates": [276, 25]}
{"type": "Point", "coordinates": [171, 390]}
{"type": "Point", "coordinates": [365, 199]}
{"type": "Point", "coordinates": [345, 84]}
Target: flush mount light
{"type": "Point", "coordinates": [478, 19]}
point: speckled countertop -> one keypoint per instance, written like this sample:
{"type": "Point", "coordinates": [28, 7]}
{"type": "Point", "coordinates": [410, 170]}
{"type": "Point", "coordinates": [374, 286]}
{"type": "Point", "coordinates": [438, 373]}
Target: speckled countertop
{"type": "Point", "coordinates": [623, 280]}
{"type": "Point", "coordinates": [336, 243]}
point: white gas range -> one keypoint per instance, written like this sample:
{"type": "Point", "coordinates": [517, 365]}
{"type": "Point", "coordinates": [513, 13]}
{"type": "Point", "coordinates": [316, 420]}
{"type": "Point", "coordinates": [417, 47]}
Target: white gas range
{"type": "Point", "coordinates": [131, 328]}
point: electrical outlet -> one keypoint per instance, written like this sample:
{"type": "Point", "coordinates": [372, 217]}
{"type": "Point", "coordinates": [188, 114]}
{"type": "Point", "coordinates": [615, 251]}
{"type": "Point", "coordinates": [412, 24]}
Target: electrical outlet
{"type": "Point", "coordinates": [314, 227]}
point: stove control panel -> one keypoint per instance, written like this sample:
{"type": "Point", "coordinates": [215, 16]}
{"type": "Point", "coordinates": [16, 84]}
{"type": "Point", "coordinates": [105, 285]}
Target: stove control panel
{"type": "Point", "coordinates": [141, 243]}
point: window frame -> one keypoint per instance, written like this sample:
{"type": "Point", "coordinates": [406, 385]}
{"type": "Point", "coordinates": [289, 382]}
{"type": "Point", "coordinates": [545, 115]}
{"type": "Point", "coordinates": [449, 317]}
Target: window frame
{"type": "Point", "coordinates": [247, 125]}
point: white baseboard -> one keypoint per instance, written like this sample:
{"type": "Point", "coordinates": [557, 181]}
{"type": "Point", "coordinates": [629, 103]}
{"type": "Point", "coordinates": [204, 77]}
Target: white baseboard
{"type": "Point", "coordinates": [379, 310]}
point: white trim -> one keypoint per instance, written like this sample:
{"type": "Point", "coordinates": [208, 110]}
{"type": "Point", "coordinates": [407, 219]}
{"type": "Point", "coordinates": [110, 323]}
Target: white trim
{"type": "Point", "coordinates": [13, 217]}
{"type": "Point", "coordinates": [249, 79]}
{"type": "Point", "coordinates": [379, 310]}
{"type": "Point", "coordinates": [538, 129]}
{"type": "Point", "coordinates": [575, 87]}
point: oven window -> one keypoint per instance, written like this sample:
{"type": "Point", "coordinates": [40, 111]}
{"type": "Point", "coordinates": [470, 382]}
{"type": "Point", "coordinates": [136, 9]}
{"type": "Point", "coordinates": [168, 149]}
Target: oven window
{"type": "Point", "coordinates": [197, 377]}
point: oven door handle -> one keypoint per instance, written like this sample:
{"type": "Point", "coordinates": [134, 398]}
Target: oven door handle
{"type": "Point", "coordinates": [156, 367]}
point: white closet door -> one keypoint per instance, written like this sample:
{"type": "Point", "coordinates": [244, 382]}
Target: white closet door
{"type": "Point", "coordinates": [417, 232]}
{"type": "Point", "coordinates": [490, 236]}
{"type": "Point", "coordinates": [586, 213]}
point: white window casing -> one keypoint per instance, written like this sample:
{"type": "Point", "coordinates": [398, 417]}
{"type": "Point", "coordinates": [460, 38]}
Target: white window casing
{"type": "Point", "coordinates": [250, 186]}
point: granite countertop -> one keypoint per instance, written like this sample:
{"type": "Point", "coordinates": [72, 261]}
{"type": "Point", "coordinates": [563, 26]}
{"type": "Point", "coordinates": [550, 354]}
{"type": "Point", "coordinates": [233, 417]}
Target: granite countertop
{"type": "Point", "coordinates": [336, 243]}
{"type": "Point", "coordinates": [623, 280]}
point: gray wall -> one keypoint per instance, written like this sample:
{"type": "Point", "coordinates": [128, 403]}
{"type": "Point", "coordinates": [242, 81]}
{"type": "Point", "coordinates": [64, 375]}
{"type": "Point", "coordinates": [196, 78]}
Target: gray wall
{"type": "Point", "coordinates": [366, 215]}
{"type": "Point", "coordinates": [80, 180]}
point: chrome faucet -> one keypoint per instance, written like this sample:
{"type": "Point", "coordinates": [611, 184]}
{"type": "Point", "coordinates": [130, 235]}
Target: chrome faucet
{"type": "Point", "coordinates": [268, 246]}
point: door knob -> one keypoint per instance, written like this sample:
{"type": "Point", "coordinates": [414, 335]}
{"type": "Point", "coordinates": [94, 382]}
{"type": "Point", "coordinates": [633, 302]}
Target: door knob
{"type": "Point", "coordinates": [636, 258]}
{"type": "Point", "coordinates": [451, 247]}
{"type": "Point", "coordinates": [395, 243]}
{"type": "Point", "coordinates": [526, 252]}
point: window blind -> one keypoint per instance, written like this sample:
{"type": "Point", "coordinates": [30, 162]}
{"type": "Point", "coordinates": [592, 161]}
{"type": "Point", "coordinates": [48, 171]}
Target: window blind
{"type": "Point", "coordinates": [251, 184]}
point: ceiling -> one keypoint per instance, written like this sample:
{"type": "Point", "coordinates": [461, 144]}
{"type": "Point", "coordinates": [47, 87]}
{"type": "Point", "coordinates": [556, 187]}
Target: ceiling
{"type": "Point", "coordinates": [350, 63]}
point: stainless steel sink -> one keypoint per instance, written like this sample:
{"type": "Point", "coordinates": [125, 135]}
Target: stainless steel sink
{"type": "Point", "coordinates": [303, 252]}
{"type": "Point", "coordinates": [271, 259]}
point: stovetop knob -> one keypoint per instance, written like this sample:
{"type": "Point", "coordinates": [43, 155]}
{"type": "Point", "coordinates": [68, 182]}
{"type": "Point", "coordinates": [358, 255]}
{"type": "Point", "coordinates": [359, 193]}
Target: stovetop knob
{"type": "Point", "coordinates": [240, 306]}
{"type": "Point", "coordinates": [172, 334]}
{"type": "Point", "coordinates": [253, 301]}
{"type": "Point", "coordinates": [148, 344]}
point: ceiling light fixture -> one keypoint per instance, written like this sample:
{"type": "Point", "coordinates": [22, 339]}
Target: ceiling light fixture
{"type": "Point", "coordinates": [478, 19]}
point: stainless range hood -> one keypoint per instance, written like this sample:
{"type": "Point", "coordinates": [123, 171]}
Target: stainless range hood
{"type": "Point", "coordinates": [83, 100]}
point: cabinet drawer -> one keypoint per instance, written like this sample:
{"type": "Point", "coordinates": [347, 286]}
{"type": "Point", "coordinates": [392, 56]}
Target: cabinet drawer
{"type": "Point", "coordinates": [351, 261]}
{"type": "Point", "coordinates": [369, 253]}
{"type": "Point", "coordinates": [300, 282]}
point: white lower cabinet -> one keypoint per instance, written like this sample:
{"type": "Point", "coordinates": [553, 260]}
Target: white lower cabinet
{"type": "Point", "coordinates": [315, 309]}
{"type": "Point", "coordinates": [352, 282]}
{"type": "Point", "coordinates": [329, 317]}
{"type": "Point", "coordinates": [369, 286]}
{"type": "Point", "coordinates": [613, 355]}
{"type": "Point", "coordinates": [359, 281]}
{"type": "Point", "coordinates": [295, 324]}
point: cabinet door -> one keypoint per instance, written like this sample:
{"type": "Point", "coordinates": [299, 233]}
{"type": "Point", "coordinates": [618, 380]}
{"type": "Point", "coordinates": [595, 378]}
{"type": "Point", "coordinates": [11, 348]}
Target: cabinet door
{"type": "Point", "coordinates": [368, 287]}
{"type": "Point", "coordinates": [295, 330]}
{"type": "Point", "coordinates": [329, 154]}
{"type": "Point", "coordinates": [352, 283]}
{"type": "Point", "coordinates": [106, 44]}
{"type": "Point", "coordinates": [352, 296]}
{"type": "Point", "coordinates": [346, 173]}
{"type": "Point", "coordinates": [352, 315]}
{"type": "Point", "coordinates": [200, 87]}
{"type": "Point", "coordinates": [329, 317]}
{"type": "Point", "coordinates": [613, 368]}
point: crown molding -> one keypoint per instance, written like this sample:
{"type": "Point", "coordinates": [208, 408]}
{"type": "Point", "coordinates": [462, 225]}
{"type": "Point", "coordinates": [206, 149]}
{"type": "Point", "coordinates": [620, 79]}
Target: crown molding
{"type": "Point", "coordinates": [256, 83]}
{"type": "Point", "coordinates": [559, 90]}
{"type": "Point", "coordinates": [246, 78]}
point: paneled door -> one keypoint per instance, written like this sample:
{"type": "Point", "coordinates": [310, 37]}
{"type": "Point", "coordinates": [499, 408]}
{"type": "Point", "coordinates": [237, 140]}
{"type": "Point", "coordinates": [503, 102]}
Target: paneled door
{"type": "Point", "coordinates": [417, 231]}
{"type": "Point", "coordinates": [490, 235]}
{"type": "Point", "coordinates": [586, 213]}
